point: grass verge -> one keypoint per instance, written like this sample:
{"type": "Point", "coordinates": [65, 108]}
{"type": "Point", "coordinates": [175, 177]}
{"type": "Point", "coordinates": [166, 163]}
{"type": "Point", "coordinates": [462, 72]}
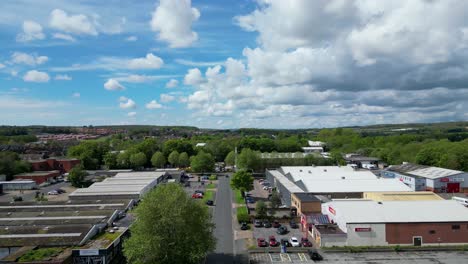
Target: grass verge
{"type": "Point", "coordinates": [242, 214]}
{"type": "Point", "coordinates": [208, 196]}
{"type": "Point", "coordinates": [40, 254]}
{"type": "Point", "coordinates": [211, 186]}
{"type": "Point", "coordinates": [238, 197]}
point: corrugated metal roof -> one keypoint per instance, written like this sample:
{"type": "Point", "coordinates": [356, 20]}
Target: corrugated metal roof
{"type": "Point", "coordinates": [434, 172]}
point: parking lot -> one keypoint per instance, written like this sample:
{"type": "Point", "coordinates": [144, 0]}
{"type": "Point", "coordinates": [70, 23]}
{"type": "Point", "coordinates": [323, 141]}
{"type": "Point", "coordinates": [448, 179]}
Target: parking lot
{"type": "Point", "coordinates": [279, 258]}
{"type": "Point", "coordinates": [263, 232]}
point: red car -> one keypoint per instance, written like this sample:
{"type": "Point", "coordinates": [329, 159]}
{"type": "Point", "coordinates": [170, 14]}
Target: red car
{"type": "Point", "coordinates": [276, 224]}
{"type": "Point", "coordinates": [305, 242]}
{"type": "Point", "coordinates": [273, 242]}
{"type": "Point", "coordinates": [197, 196]}
{"type": "Point", "coordinates": [261, 242]}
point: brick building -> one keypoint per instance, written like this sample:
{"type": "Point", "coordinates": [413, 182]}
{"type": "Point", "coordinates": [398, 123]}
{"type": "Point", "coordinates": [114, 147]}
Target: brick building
{"type": "Point", "coordinates": [39, 176]}
{"type": "Point", "coordinates": [61, 164]}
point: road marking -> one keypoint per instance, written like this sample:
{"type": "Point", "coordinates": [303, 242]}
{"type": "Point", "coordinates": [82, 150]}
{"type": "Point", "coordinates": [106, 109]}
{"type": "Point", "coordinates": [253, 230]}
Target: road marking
{"type": "Point", "coordinates": [285, 257]}
{"type": "Point", "coordinates": [271, 258]}
{"type": "Point", "coordinates": [302, 256]}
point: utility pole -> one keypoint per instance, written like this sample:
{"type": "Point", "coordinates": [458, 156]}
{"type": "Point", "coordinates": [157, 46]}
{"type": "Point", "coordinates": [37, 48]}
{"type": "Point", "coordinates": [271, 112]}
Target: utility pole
{"type": "Point", "coordinates": [235, 159]}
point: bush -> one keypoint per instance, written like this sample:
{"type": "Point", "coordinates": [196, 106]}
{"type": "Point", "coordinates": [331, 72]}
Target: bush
{"type": "Point", "coordinates": [397, 248]}
{"type": "Point", "coordinates": [242, 214]}
{"type": "Point", "coordinates": [213, 177]}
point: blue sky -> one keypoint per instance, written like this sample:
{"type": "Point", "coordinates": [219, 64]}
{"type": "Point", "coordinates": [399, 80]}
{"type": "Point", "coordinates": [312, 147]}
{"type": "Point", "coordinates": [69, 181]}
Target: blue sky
{"type": "Point", "coordinates": [229, 64]}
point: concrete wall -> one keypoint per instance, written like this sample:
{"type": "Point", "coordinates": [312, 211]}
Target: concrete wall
{"type": "Point", "coordinates": [359, 236]}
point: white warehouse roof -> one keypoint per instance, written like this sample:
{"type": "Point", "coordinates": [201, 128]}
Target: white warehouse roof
{"type": "Point", "coordinates": [326, 173]}
{"type": "Point", "coordinates": [353, 186]}
{"type": "Point", "coordinates": [366, 211]}
{"type": "Point", "coordinates": [434, 172]}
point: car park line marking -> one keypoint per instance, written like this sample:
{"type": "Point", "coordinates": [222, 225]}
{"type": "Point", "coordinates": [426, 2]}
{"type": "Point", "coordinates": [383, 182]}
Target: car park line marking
{"type": "Point", "coordinates": [271, 258]}
{"type": "Point", "coordinates": [284, 259]}
{"type": "Point", "coordinates": [302, 256]}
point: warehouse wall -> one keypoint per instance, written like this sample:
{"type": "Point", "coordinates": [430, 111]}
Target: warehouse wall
{"type": "Point", "coordinates": [374, 237]}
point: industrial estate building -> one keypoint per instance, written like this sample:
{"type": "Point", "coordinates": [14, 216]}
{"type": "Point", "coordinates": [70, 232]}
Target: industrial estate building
{"type": "Point", "coordinates": [426, 178]}
{"type": "Point", "coordinates": [371, 223]}
{"type": "Point", "coordinates": [39, 177]}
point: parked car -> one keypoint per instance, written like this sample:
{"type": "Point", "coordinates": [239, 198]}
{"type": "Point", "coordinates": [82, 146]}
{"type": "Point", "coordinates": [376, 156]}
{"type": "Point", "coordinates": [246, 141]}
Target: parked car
{"type": "Point", "coordinates": [17, 198]}
{"type": "Point", "coordinates": [273, 242]}
{"type": "Point", "coordinates": [283, 206]}
{"type": "Point", "coordinates": [293, 224]}
{"type": "Point", "coordinates": [244, 226]}
{"type": "Point", "coordinates": [266, 224]}
{"type": "Point", "coordinates": [294, 242]}
{"type": "Point", "coordinates": [258, 223]}
{"type": "Point", "coordinates": [282, 230]}
{"type": "Point", "coordinates": [285, 242]}
{"type": "Point", "coordinates": [261, 242]}
{"type": "Point", "coordinates": [210, 202]}
{"type": "Point", "coordinates": [197, 195]}
{"type": "Point", "coordinates": [53, 192]}
{"type": "Point", "coordinates": [276, 224]}
{"type": "Point", "coordinates": [205, 178]}
{"type": "Point", "coordinates": [305, 242]}
{"type": "Point", "coordinates": [60, 190]}
{"type": "Point", "coordinates": [250, 200]}
{"type": "Point", "coordinates": [198, 191]}
{"type": "Point", "coordinates": [314, 255]}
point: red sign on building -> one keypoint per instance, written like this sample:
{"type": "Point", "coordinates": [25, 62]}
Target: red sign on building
{"type": "Point", "coordinates": [331, 210]}
{"type": "Point", "coordinates": [362, 229]}
{"type": "Point", "coordinates": [444, 180]}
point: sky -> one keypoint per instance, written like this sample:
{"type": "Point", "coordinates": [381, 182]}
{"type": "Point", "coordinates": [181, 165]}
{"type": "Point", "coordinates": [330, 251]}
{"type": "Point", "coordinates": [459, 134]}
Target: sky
{"type": "Point", "coordinates": [233, 63]}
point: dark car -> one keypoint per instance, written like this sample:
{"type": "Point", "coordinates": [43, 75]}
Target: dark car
{"type": "Point", "coordinates": [285, 242]}
{"type": "Point", "coordinates": [273, 242]}
{"type": "Point", "coordinates": [249, 200]}
{"type": "Point", "coordinates": [258, 223]}
{"type": "Point", "coordinates": [276, 224]}
{"type": "Point", "coordinates": [282, 230]}
{"type": "Point", "coordinates": [305, 242]}
{"type": "Point", "coordinates": [261, 242]}
{"type": "Point", "coordinates": [244, 226]}
{"type": "Point", "coordinates": [314, 255]}
{"type": "Point", "coordinates": [17, 198]}
{"type": "Point", "coordinates": [210, 202]}
{"type": "Point", "coordinates": [60, 191]}
{"type": "Point", "coordinates": [266, 224]}
{"type": "Point", "coordinates": [187, 184]}
{"type": "Point", "coordinates": [293, 224]}
{"type": "Point", "coordinates": [198, 191]}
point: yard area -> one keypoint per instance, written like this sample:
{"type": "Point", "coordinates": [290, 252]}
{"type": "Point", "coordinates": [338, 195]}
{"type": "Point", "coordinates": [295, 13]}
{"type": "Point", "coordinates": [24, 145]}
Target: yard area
{"type": "Point", "coordinates": [40, 254]}
{"type": "Point", "coordinates": [209, 195]}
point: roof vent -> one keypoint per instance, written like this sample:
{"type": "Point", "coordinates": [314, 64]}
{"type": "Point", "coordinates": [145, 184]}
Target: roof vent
{"type": "Point", "coordinates": [325, 170]}
{"type": "Point", "coordinates": [379, 202]}
{"type": "Point", "coordinates": [343, 178]}
{"type": "Point", "coordinates": [310, 172]}
{"type": "Point", "coordinates": [300, 170]}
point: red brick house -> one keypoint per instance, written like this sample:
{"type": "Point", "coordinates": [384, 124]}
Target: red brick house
{"type": "Point", "coordinates": [39, 176]}
{"type": "Point", "coordinates": [61, 164]}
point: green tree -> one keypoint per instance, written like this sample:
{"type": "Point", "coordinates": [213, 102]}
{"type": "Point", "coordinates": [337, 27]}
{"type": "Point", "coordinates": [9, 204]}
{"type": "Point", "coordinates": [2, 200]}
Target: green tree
{"type": "Point", "coordinates": [337, 158]}
{"type": "Point", "coordinates": [248, 160]}
{"type": "Point", "coordinates": [171, 228]}
{"type": "Point", "coordinates": [123, 160]}
{"type": "Point", "coordinates": [173, 158]}
{"type": "Point", "coordinates": [76, 176]}
{"type": "Point", "coordinates": [184, 160]}
{"type": "Point", "coordinates": [110, 160]}
{"type": "Point", "coordinates": [230, 158]}
{"type": "Point", "coordinates": [10, 164]}
{"type": "Point", "coordinates": [158, 160]}
{"type": "Point", "coordinates": [261, 210]}
{"type": "Point", "coordinates": [202, 162]}
{"type": "Point", "coordinates": [275, 200]}
{"type": "Point", "coordinates": [138, 160]}
{"type": "Point", "coordinates": [242, 181]}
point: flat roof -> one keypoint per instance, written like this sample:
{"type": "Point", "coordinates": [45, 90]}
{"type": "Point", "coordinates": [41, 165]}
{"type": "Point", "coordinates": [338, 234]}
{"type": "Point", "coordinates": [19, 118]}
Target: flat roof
{"type": "Point", "coordinates": [52, 218]}
{"type": "Point", "coordinates": [17, 182]}
{"type": "Point", "coordinates": [41, 235]}
{"type": "Point", "coordinates": [403, 196]}
{"type": "Point", "coordinates": [424, 171]}
{"type": "Point", "coordinates": [367, 211]}
{"type": "Point", "coordinates": [325, 172]}
{"type": "Point", "coordinates": [37, 173]}
{"type": "Point", "coordinates": [60, 206]}
{"type": "Point", "coordinates": [353, 186]}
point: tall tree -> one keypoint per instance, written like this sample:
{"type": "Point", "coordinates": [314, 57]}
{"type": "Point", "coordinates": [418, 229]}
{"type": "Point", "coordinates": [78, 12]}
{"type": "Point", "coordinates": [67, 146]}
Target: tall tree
{"type": "Point", "coordinates": [248, 160]}
{"type": "Point", "coordinates": [230, 158]}
{"type": "Point", "coordinates": [184, 160]}
{"type": "Point", "coordinates": [110, 160]}
{"type": "Point", "coordinates": [261, 210]}
{"type": "Point", "coordinates": [171, 228]}
{"type": "Point", "coordinates": [173, 158]}
{"type": "Point", "coordinates": [76, 176]}
{"type": "Point", "coordinates": [202, 162]}
{"type": "Point", "coordinates": [242, 181]}
{"type": "Point", "coordinates": [138, 160]}
{"type": "Point", "coordinates": [158, 160]}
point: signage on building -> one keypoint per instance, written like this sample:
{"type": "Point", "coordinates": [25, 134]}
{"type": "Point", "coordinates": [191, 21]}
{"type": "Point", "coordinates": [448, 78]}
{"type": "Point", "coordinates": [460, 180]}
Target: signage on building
{"type": "Point", "coordinates": [89, 252]}
{"type": "Point", "coordinates": [444, 180]}
{"type": "Point", "coordinates": [362, 229]}
{"type": "Point", "coordinates": [331, 210]}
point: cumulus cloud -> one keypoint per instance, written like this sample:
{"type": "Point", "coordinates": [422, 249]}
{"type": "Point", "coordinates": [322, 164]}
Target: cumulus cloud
{"type": "Point", "coordinates": [166, 98]}
{"type": "Point", "coordinates": [148, 62]}
{"type": "Point", "coordinates": [36, 76]}
{"type": "Point", "coordinates": [153, 105]}
{"type": "Point", "coordinates": [78, 24]}
{"type": "Point", "coordinates": [126, 103]}
{"type": "Point", "coordinates": [113, 85]}
{"type": "Point", "coordinates": [131, 114]}
{"type": "Point", "coordinates": [131, 38]}
{"type": "Point", "coordinates": [172, 83]}
{"type": "Point", "coordinates": [28, 59]}
{"type": "Point", "coordinates": [31, 31]}
{"type": "Point", "coordinates": [2, 66]}
{"type": "Point", "coordinates": [76, 95]}
{"type": "Point", "coordinates": [63, 77]}
{"type": "Point", "coordinates": [63, 37]}
{"type": "Point", "coordinates": [173, 20]}
{"type": "Point", "coordinates": [193, 77]}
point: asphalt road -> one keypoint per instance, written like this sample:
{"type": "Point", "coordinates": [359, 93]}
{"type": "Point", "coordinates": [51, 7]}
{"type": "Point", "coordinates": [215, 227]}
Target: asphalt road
{"type": "Point", "coordinates": [29, 195]}
{"type": "Point", "coordinates": [223, 232]}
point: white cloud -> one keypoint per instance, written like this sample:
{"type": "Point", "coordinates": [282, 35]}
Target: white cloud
{"type": "Point", "coordinates": [36, 76]}
{"type": "Point", "coordinates": [31, 31]}
{"type": "Point", "coordinates": [166, 98]}
{"type": "Point", "coordinates": [2, 66]}
{"type": "Point", "coordinates": [76, 95]}
{"type": "Point", "coordinates": [131, 114]}
{"type": "Point", "coordinates": [132, 38]}
{"type": "Point", "coordinates": [148, 62]}
{"type": "Point", "coordinates": [136, 78]}
{"type": "Point", "coordinates": [193, 77]}
{"type": "Point", "coordinates": [173, 20]}
{"type": "Point", "coordinates": [172, 83]}
{"type": "Point", "coordinates": [113, 85]}
{"type": "Point", "coordinates": [28, 59]}
{"type": "Point", "coordinates": [153, 105]}
{"type": "Point", "coordinates": [198, 63]}
{"type": "Point", "coordinates": [63, 77]}
{"type": "Point", "coordinates": [63, 37]}
{"type": "Point", "coordinates": [126, 103]}
{"type": "Point", "coordinates": [75, 24]}
{"type": "Point", "coordinates": [13, 73]}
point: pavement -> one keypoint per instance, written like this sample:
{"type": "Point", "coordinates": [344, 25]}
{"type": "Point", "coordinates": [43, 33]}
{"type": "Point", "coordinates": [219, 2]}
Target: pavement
{"type": "Point", "coordinates": [29, 195]}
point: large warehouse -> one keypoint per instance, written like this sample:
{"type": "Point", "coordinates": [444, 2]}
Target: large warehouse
{"type": "Point", "coordinates": [425, 178]}
{"type": "Point", "coordinates": [330, 182]}
{"type": "Point", "coordinates": [371, 223]}
{"type": "Point", "coordinates": [124, 185]}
